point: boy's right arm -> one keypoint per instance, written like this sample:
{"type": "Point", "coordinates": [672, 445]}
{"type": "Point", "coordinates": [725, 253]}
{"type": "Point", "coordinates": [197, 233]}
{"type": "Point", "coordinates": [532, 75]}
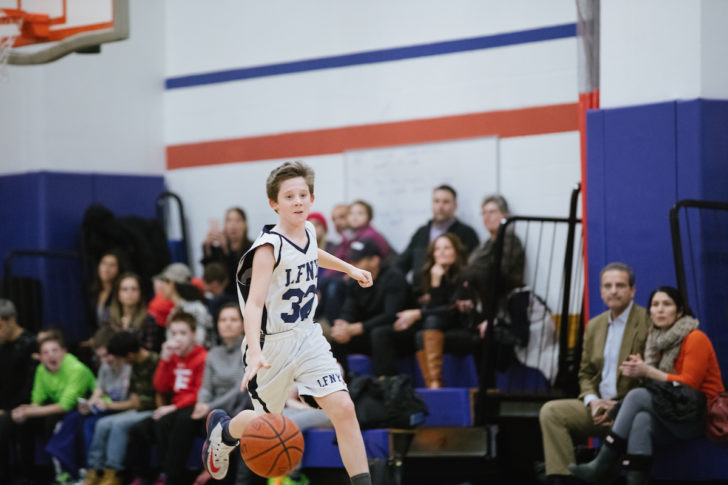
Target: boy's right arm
{"type": "Point", "coordinates": [263, 264]}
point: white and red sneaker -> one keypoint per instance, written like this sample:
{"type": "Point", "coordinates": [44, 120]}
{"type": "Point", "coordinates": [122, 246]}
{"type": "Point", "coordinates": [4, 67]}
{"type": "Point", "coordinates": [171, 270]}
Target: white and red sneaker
{"type": "Point", "coordinates": [215, 453]}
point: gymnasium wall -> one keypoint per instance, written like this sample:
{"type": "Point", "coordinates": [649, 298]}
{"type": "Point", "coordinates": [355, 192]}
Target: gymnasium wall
{"type": "Point", "coordinates": [83, 129]}
{"type": "Point", "coordinates": [314, 81]}
{"type": "Point", "coordinates": [659, 138]}
{"type": "Point", "coordinates": [660, 50]}
{"type": "Point", "coordinates": [90, 113]}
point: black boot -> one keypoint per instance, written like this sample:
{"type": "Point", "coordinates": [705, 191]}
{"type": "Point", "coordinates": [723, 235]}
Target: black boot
{"type": "Point", "coordinates": [638, 469]}
{"type": "Point", "coordinates": [604, 468]}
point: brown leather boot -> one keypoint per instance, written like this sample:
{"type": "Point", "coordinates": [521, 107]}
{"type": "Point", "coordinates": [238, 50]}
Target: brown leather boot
{"type": "Point", "coordinates": [434, 341]}
{"type": "Point", "coordinates": [422, 360]}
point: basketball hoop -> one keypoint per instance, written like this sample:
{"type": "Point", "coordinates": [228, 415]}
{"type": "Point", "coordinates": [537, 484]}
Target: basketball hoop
{"type": "Point", "coordinates": [7, 43]}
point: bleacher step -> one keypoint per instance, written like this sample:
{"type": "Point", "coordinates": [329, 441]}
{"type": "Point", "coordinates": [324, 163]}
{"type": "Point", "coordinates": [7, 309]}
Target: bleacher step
{"type": "Point", "coordinates": [449, 442]}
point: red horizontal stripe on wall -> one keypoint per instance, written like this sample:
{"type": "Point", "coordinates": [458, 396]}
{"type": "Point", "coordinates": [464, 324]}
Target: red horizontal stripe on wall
{"type": "Point", "coordinates": [520, 122]}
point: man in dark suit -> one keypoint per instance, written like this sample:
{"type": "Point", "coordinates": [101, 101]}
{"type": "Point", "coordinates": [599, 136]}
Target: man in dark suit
{"type": "Point", "coordinates": [444, 206]}
{"type": "Point", "coordinates": [610, 338]}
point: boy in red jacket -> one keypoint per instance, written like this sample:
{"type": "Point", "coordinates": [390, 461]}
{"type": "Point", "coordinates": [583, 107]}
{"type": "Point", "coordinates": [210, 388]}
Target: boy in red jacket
{"type": "Point", "coordinates": [179, 374]}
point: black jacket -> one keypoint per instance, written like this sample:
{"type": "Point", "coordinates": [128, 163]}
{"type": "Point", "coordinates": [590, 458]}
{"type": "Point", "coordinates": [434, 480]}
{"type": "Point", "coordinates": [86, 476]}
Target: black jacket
{"type": "Point", "coordinates": [413, 258]}
{"type": "Point", "coordinates": [378, 304]}
{"type": "Point", "coordinates": [17, 371]}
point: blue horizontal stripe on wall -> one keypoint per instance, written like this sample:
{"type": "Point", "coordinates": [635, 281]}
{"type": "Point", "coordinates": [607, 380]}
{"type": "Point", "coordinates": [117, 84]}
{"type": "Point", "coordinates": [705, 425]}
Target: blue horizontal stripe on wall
{"type": "Point", "coordinates": [371, 57]}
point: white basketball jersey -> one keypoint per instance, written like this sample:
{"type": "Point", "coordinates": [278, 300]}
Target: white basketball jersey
{"type": "Point", "coordinates": [292, 292]}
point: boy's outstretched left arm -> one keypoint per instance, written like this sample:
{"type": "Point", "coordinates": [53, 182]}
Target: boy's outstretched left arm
{"type": "Point", "coordinates": [329, 261]}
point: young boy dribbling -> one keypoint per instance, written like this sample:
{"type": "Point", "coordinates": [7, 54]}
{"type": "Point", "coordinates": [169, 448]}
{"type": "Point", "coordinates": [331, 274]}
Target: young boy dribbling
{"type": "Point", "coordinates": [277, 280]}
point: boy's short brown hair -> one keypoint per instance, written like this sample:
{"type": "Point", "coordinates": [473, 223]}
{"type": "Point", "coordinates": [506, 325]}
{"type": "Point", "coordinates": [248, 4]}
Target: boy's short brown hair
{"type": "Point", "coordinates": [288, 170]}
{"type": "Point", "coordinates": [183, 317]}
{"type": "Point", "coordinates": [52, 336]}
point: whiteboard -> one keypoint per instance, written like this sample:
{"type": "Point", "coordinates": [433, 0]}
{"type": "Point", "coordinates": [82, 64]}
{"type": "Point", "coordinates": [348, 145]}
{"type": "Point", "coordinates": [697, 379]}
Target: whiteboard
{"type": "Point", "coordinates": [398, 182]}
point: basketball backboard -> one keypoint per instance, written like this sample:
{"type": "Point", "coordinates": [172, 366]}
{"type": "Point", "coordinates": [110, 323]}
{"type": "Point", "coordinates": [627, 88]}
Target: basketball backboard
{"type": "Point", "coordinates": [40, 31]}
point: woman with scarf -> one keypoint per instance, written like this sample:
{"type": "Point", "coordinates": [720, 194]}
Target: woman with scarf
{"type": "Point", "coordinates": [676, 351]}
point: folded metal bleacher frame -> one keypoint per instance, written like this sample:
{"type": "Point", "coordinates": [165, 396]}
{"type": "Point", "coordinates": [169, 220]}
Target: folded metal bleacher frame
{"type": "Point", "coordinates": [178, 248]}
{"type": "Point", "coordinates": [699, 232]}
{"type": "Point", "coordinates": [520, 394]}
{"type": "Point", "coordinates": [46, 289]}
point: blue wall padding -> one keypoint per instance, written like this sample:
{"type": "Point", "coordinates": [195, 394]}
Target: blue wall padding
{"type": "Point", "coordinates": [456, 371]}
{"type": "Point", "coordinates": [692, 460]}
{"type": "Point", "coordinates": [321, 450]}
{"type": "Point", "coordinates": [521, 378]}
{"type": "Point", "coordinates": [641, 160]}
{"type": "Point", "coordinates": [631, 186]}
{"type": "Point", "coordinates": [447, 407]}
{"type": "Point", "coordinates": [44, 210]}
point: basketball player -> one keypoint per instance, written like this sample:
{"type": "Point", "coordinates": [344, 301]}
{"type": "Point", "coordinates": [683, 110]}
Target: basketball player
{"type": "Point", "coordinates": [283, 346]}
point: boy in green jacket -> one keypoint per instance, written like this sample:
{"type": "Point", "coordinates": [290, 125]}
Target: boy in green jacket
{"type": "Point", "coordinates": [59, 381]}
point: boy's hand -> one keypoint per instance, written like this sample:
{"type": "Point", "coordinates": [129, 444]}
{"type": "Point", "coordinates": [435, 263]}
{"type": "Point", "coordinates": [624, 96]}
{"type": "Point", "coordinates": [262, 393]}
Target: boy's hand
{"type": "Point", "coordinates": [364, 278]}
{"type": "Point", "coordinates": [169, 348]}
{"type": "Point", "coordinates": [256, 361]}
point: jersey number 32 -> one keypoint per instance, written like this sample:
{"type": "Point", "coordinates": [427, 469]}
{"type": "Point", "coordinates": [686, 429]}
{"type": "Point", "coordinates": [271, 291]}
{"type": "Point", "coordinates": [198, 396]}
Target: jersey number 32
{"type": "Point", "coordinates": [299, 310]}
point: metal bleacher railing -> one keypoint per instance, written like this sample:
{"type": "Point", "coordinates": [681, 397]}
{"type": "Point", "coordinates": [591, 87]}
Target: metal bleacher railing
{"type": "Point", "coordinates": [711, 242]}
{"type": "Point", "coordinates": [699, 230]}
{"type": "Point", "coordinates": [554, 273]}
{"type": "Point", "coordinates": [47, 289]}
{"type": "Point", "coordinates": [175, 229]}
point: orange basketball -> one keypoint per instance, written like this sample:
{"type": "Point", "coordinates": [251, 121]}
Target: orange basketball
{"type": "Point", "coordinates": [271, 445]}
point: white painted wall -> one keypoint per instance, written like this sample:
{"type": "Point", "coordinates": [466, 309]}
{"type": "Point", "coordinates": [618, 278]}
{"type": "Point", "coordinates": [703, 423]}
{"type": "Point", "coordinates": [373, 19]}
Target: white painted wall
{"type": "Point", "coordinates": [535, 173]}
{"type": "Point", "coordinates": [714, 39]}
{"type": "Point", "coordinates": [90, 113]}
{"type": "Point", "coordinates": [662, 50]}
{"type": "Point", "coordinates": [245, 33]}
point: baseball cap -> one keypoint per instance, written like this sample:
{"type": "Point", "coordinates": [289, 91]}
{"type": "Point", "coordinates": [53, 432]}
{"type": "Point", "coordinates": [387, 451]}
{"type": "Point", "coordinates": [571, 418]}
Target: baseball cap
{"type": "Point", "coordinates": [361, 249]}
{"type": "Point", "coordinates": [177, 272]}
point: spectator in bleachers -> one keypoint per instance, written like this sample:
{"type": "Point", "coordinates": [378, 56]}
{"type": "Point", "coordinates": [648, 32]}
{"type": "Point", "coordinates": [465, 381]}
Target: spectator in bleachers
{"type": "Point", "coordinates": [444, 206]}
{"type": "Point", "coordinates": [366, 319]}
{"type": "Point", "coordinates": [443, 327]}
{"type": "Point", "coordinates": [112, 383]}
{"type": "Point", "coordinates": [215, 280]}
{"type": "Point", "coordinates": [59, 381]}
{"type": "Point", "coordinates": [229, 245]}
{"type": "Point", "coordinates": [187, 298]}
{"type": "Point", "coordinates": [675, 351]}
{"type": "Point", "coordinates": [17, 367]}
{"type": "Point", "coordinates": [102, 290]}
{"type": "Point", "coordinates": [160, 306]}
{"type": "Point", "coordinates": [340, 218]}
{"type": "Point", "coordinates": [360, 223]}
{"type": "Point", "coordinates": [67, 444]}
{"type": "Point", "coordinates": [179, 373]}
{"type": "Point", "coordinates": [610, 338]}
{"type": "Point", "coordinates": [220, 387]}
{"type": "Point", "coordinates": [322, 227]}
{"type": "Point", "coordinates": [129, 312]}
{"type": "Point", "coordinates": [482, 259]}
{"type": "Point", "coordinates": [108, 447]}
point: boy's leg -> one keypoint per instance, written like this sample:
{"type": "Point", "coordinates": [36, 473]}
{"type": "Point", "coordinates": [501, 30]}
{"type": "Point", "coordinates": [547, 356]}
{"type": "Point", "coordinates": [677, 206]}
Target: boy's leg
{"type": "Point", "coordinates": [139, 448]}
{"type": "Point", "coordinates": [238, 424]}
{"type": "Point", "coordinates": [223, 434]}
{"type": "Point", "coordinates": [116, 445]}
{"type": "Point", "coordinates": [173, 453]}
{"type": "Point", "coordinates": [339, 407]}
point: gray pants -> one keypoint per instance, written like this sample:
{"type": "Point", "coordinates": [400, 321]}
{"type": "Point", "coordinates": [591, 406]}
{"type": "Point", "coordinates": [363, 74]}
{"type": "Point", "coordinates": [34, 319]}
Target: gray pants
{"type": "Point", "coordinates": [638, 423]}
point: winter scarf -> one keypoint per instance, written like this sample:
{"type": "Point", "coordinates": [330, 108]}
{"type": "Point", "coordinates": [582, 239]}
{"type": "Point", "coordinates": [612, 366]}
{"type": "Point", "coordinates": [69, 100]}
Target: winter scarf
{"type": "Point", "coordinates": [663, 344]}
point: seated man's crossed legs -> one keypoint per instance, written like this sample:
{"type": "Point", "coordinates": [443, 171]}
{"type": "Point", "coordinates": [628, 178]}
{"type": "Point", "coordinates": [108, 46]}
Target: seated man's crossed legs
{"type": "Point", "coordinates": [562, 422]}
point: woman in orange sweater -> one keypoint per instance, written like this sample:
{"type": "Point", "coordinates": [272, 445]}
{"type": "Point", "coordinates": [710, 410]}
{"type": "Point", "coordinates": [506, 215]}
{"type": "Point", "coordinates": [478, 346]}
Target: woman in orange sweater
{"type": "Point", "coordinates": [675, 351]}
